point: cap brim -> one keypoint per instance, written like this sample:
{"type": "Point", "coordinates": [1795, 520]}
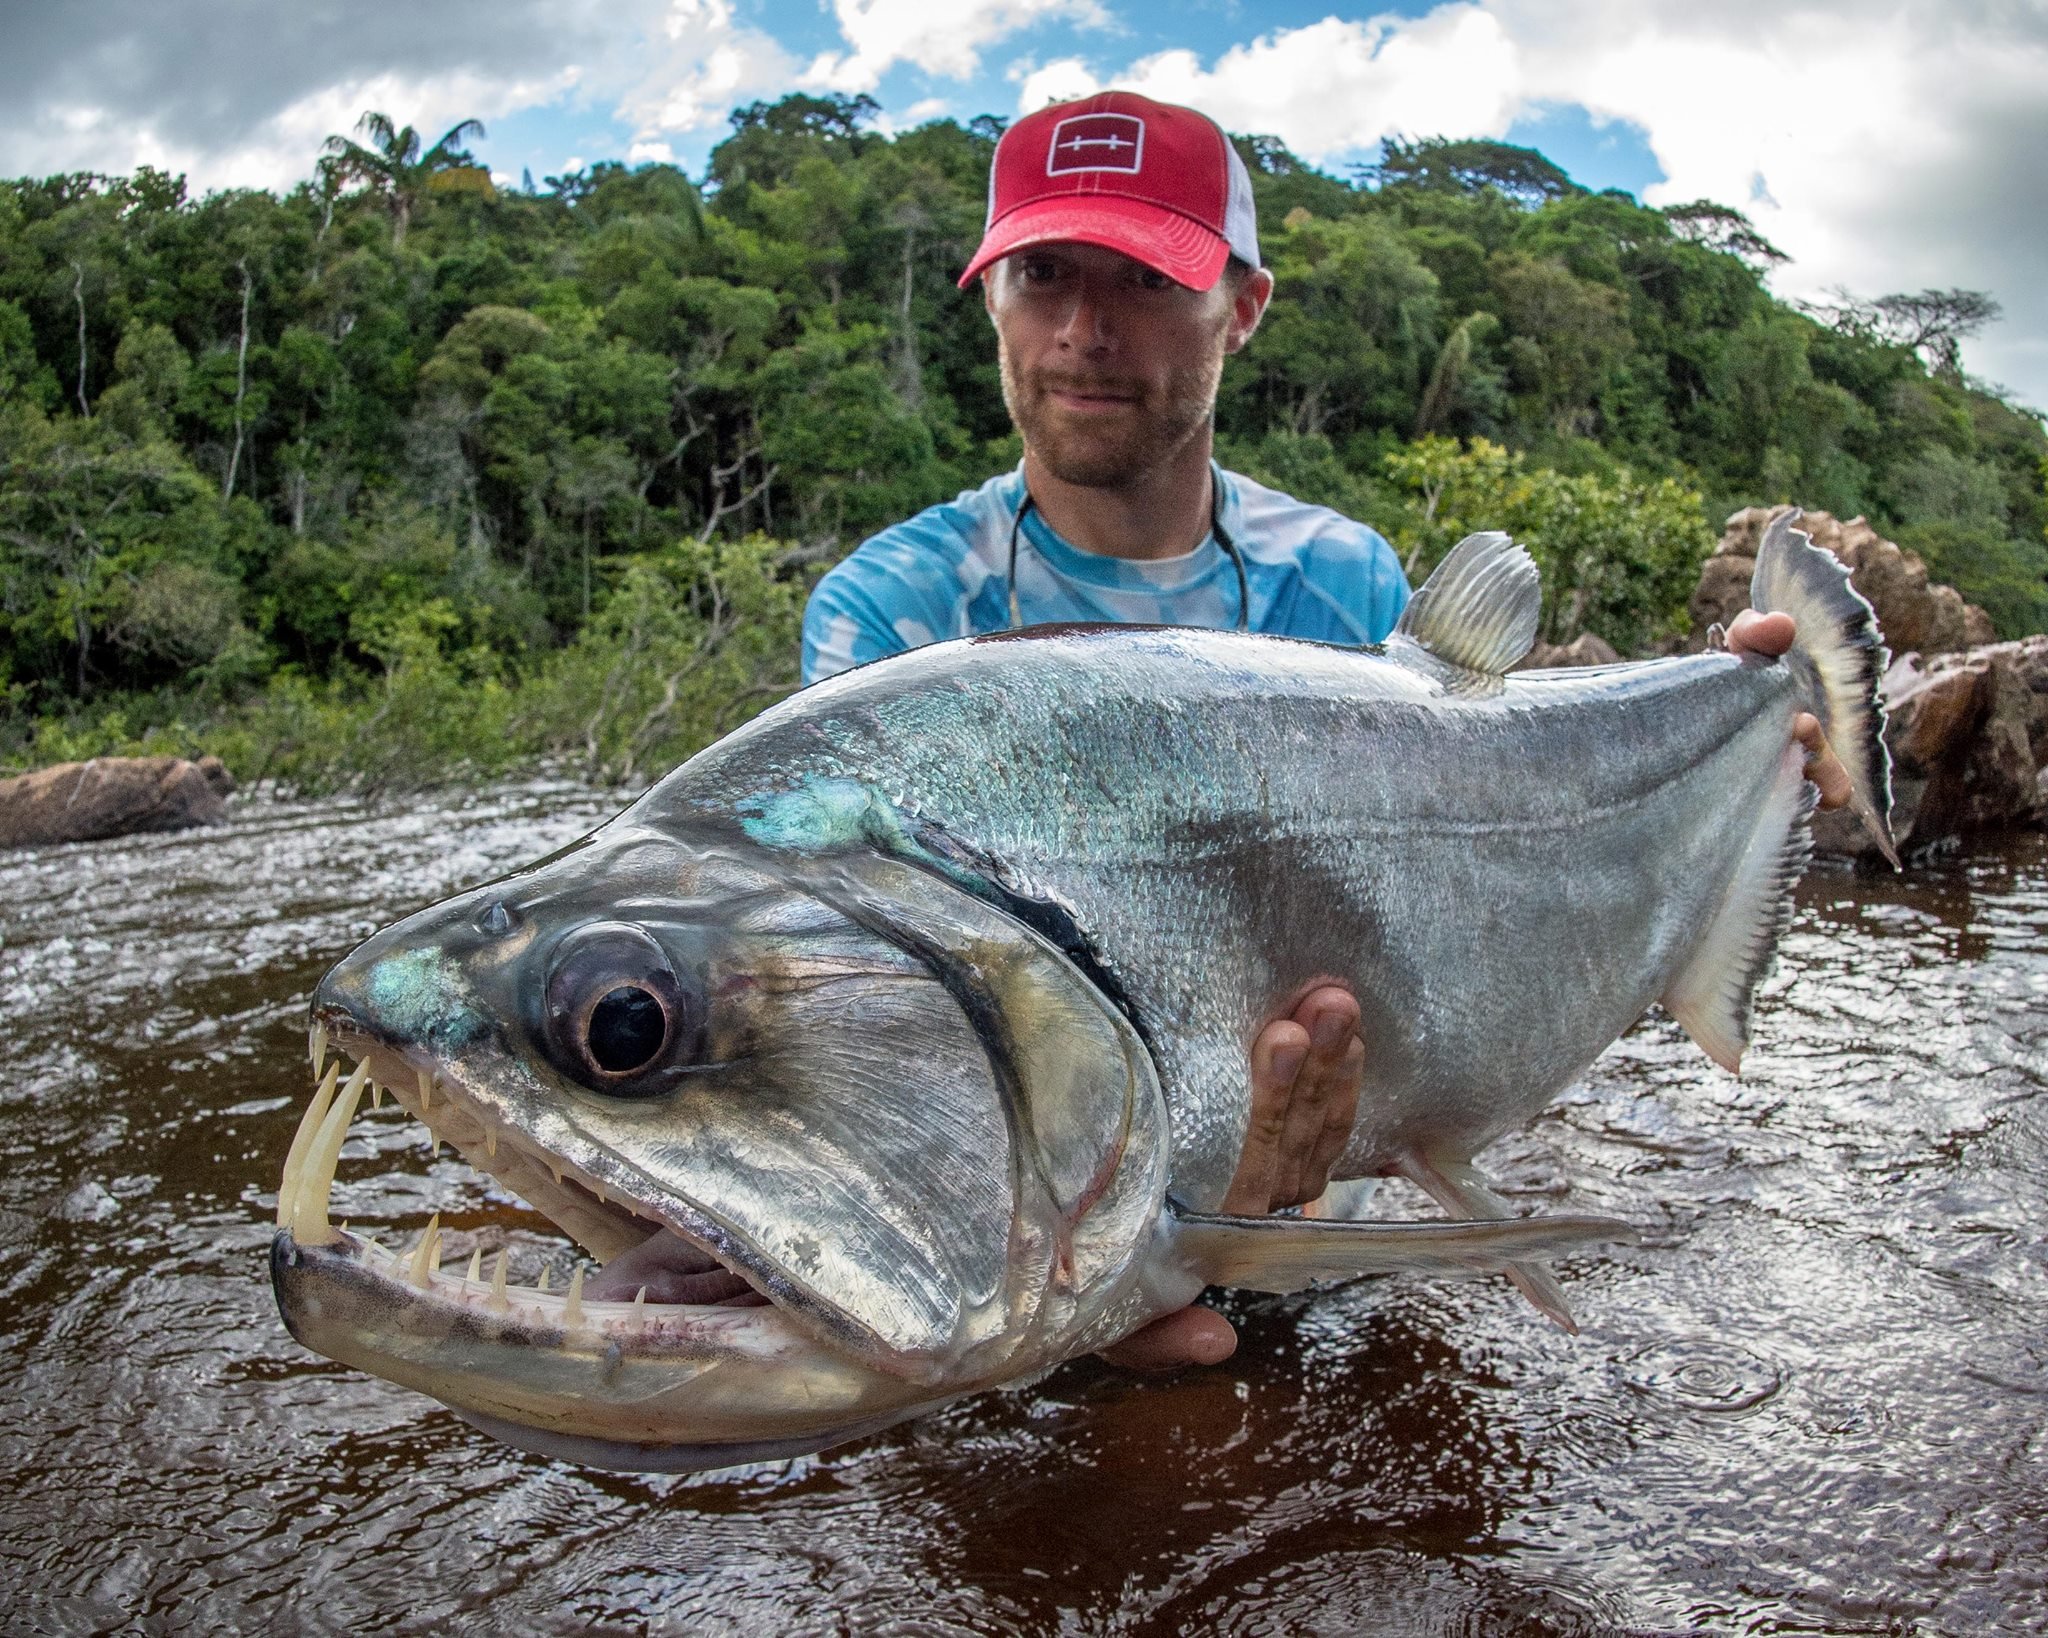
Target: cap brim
{"type": "Point", "coordinates": [1164, 240]}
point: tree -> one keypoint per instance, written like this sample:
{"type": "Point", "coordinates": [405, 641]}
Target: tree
{"type": "Point", "coordinates": [1932, 323]}
{"type": "Point", "coordinates": [1722, 228]}
{"type": "Point", "coordinates": [394, 168]}
{"type": "Point", "coordinates": [1469, 165]}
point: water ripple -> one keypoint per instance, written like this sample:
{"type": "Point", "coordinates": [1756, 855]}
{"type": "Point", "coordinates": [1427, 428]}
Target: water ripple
{"type": "Point", "coordinates": [1814, 1399]}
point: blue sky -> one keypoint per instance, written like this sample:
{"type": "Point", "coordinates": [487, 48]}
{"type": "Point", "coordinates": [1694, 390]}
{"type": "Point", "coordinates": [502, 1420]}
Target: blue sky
{"type": "Point", "coordinates": [1884, 144]}
{"type": "Point", "coordinates": [546, 137]}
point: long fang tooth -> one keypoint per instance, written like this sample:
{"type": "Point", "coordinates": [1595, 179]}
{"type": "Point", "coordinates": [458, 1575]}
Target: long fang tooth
{"type": "Point", "coordinates": [476, 1267]}
{"type": "Point", "coordinates": [309, 1203]}
{"type": "Point", "coordinates": [376, 1095]}
{"type": "Point", "coordinates": [421, 1270]}
{"type": "Point", "coordinates": [490, 1140]}
{"type": "Point", "coordinates": [426, 1091]}
{"type": "Point", "coordinates": [572, 1308]}
{"type": "Point", "coordinates": [555, 1171]}
{"type": "Point", "coordinates": [640, 1306]}
{"type": "Point", "coordinates": [602, 1198]}
{"type": "Point", "coordinates": [302, 1139]}
{"type": "Point", "coordinates": [543, 1285]}
{"type": "Point", "coordinates": [319, 1045]}
{"type": "Point", "coordinates": [499, 1303]}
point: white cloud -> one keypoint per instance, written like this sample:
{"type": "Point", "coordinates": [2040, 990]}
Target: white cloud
{"type": "Point", "coordinates": [944, 39]}
{"type": "Point", "coordinates": [118, 89]}
{"type": "Point", "coordinates": [278, 150]}
{"type": "Point", "coordinates": [1882, 149]}
{"type": "Point", "coordinates": [704, 61]}
{"type": "Point", "coordinates": [1335, 86]}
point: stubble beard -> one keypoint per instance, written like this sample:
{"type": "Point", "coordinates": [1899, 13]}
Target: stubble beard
{"type": "Point", "coordinates": [1121, 451]}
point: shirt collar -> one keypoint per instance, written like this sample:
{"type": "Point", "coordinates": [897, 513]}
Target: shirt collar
{"type": "Point", "coordinates": [1170, 574]}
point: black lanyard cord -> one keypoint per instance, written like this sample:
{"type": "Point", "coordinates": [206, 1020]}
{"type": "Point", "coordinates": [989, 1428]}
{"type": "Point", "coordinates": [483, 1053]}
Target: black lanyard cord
{"type": "Point", "coordinates": [1244, 594]}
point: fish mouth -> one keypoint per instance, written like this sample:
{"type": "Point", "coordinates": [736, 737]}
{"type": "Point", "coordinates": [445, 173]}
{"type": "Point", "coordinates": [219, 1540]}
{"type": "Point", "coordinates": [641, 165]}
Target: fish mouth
{"type": "Point", "coordinates": [669, 1357]}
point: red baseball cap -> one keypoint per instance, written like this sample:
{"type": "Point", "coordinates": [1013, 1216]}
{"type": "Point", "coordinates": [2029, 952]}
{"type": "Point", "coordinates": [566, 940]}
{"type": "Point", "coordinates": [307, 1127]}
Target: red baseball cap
{"type": "Point", "coordinates": [1159, 183]}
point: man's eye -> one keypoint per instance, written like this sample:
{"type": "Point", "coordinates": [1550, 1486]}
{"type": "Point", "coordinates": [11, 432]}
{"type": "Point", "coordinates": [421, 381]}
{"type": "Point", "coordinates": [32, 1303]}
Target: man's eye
{"type": "Point", "coordinates": [1039, 269]}
{"type": "Point", "coordinates": [1150, 278]}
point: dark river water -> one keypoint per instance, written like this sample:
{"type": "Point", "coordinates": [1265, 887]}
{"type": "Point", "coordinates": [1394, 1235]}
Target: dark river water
{"type": "Point", "coordinates": [1814, 1399]}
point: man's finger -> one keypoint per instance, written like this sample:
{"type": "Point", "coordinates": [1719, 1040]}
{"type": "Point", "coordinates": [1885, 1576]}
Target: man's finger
{"type": "Point", "coordinates": [1188, 1336]}
{"type": "Point", "coordinates": [1753, 632]}
{"type": "Point", "coordinates": [1330, 1015]}
{"type": "Point", "coordinates": [1338, 1118]}
{"type": "Point", "coordinates": [1823, 767]}
{"type": "Point", "coordinates": [1277, 1057]}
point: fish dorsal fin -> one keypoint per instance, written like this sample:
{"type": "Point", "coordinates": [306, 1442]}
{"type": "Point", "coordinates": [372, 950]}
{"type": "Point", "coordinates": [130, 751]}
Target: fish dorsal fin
{"type": "Point", "coordinates": [1286, 1253]}
{"type": "Point", "coordinates": [1478, 611]}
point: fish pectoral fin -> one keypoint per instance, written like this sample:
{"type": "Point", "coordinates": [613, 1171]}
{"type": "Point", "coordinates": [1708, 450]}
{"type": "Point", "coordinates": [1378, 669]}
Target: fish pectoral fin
{"type": "Point", "coordinates": [1282, 1254]}
{"type": "Point", "coordinates": [1464, 1191]}
{"type": "Point", "coordinates": [1714, 997]}
{"type": "Point", "coordinates": [1478, 611]}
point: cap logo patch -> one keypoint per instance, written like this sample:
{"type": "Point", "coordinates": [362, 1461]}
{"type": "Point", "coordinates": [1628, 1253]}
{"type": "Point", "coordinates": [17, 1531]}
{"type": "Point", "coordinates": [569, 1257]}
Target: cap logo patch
{"type": "Point", "coordinates": [1096, 142]}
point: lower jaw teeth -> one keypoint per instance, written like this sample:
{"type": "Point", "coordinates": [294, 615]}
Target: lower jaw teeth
{"type": "Point", "coordinates": [574, 1310]}
{"type": "Point", "coordinates": [678, 1274]}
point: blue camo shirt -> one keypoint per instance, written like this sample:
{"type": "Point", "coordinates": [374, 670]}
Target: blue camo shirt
{"type": "Point", "coordinates": [1312, 573]}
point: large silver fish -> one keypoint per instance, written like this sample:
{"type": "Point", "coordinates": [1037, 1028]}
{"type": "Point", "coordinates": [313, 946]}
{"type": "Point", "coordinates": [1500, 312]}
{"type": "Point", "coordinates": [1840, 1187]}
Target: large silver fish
{"type": "Point", "coordinates": [894, 1047]}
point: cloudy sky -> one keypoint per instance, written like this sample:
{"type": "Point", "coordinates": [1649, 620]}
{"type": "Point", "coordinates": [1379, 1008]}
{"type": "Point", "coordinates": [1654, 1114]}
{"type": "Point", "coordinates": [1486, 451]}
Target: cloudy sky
{"type": "Point", "coordinates": [1885, 144]}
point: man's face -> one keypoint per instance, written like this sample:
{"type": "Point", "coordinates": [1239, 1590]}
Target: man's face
{"type": "Point", "coordinates": [1109, 368]}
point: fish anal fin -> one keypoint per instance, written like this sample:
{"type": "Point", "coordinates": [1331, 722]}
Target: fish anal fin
{"type": "Point", "coordinates": [1478, 611]}
{"type": "Point", "coordinates": [1714, 996]}
{"type": "Point", "coordinates": [1463, 1190]}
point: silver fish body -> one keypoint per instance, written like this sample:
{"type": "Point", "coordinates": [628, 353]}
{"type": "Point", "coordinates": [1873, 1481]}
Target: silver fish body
{"type": "Point", "coordinates": [922, 1003]}
{"type": "Point", "coordinates": [1229, 818]}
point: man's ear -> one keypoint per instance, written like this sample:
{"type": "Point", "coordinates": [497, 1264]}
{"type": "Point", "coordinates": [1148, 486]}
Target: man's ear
{"type": "Point", "coordinates": [1247, 307]}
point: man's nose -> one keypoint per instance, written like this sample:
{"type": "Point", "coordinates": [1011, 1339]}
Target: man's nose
{"type": "Point", "coordinates": [1087, 324]}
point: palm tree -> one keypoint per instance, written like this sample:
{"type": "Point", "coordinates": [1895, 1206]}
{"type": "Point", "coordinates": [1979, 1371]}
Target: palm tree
{"type": "Point", "coordinates": [394, 166]}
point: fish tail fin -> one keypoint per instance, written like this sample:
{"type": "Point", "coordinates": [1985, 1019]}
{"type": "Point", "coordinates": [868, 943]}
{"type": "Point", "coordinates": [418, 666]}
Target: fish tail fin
{"type": "Point", "coordinates": [1838, 657]}
{"type": "Point", "coordinates": [1463, 1191]}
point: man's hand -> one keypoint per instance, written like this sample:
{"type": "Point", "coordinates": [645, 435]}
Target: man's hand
{"type": "Point", "coordinates": [1307, 1068]}
{"type": "Point", "coordinates": [1771, 635]}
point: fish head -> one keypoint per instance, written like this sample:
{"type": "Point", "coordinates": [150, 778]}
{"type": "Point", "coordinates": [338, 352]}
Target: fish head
{"type": "Point", "coordinates": [849, 1139]}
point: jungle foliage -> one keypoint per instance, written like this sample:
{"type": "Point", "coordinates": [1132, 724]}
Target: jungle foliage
{"type": "Point", "coordinates": [402, 474]}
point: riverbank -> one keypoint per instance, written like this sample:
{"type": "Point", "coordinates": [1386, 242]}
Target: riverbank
{"type": "Point", "coordinates": [688, 646]}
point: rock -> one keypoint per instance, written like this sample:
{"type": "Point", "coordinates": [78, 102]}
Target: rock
{"type": "Point", "coordinates": [1584, 649]}
{"type": "Point", "coordinates": [88, 1203]}
{"type": "Point", "coordinates": [1723, 593]}
{"type": "Point", "coordinates": [216, 774]}
{"type": "Point", "coordinates": [1914, 615]}
{"type": "Point", "coordinates": [111, 796]}
{"type": "Point", "coordinates": [1968, 734]}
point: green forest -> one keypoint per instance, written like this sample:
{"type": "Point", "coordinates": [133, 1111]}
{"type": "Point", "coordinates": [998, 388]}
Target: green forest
{"type": "Point", "coordinates": [404, 477]}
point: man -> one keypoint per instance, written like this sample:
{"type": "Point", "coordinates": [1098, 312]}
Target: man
{"type": "Point", "coordinates": [1120, 267]}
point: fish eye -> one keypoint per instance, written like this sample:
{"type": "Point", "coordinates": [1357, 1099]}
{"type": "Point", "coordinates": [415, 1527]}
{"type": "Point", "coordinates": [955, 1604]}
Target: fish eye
{"type": "Point", "coordinates": [618, 1019]}
{"type": "Point", "coordinates": [626, 1029]}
